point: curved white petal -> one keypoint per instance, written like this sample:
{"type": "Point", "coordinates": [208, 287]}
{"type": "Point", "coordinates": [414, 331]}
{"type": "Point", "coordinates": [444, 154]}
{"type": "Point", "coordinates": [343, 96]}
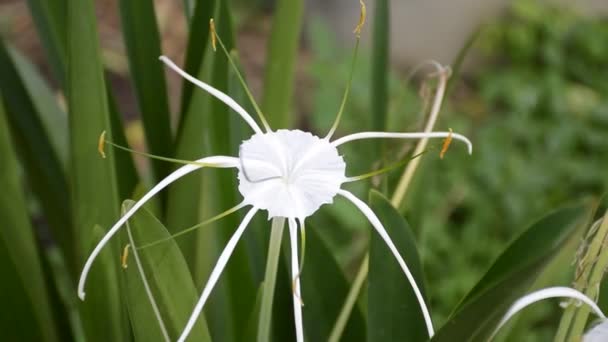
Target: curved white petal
{"type": "Point", "coordinates": [214, 161]}
{"type": "Point", "coordinates": [550, 292]}
{"type": "Point", "coordinates": [215, 92]}
{"type": "Point", "coordinates": [295, 278]}
{"type": "Point", "coordinates": [217, 270]}
{"type": "Point", "coordinates": [373, 219]}
{"type": "Point", "coordinates": [413, 135]}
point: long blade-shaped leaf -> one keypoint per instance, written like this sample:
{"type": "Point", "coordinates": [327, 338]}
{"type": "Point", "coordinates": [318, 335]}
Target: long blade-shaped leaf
{"type": "Point", "coordinates": [53, 118]}
{"type": "Point", "coordinates": [324, 289]}
{"type": "Point", "coordinates": [380, 65]}
{"type": "Point", "coordinates": [198, 39]}
{"type": "Point", "coordinates": [168, 279]}
{"type": "Point", "coordinates": [102, 303]}
{"type": "Point", "coordinates": [280, 72]}
{"type": "Point", "coordinates": [143, 46]}
{"type": "Point", "coordinates": [511, 275]}
{"type": "Point", "coordinates": [94, 185]}
{"type": "Point", "coordinates": [392, 308]}
{"type": "Point", "coordinates": [27, 316]}
{"type": "Point", "coordinates": [50, 19]}
{"type": "Point", "coordinates": [240, 291]}
{"type": "Point", "coordinates": [43, 167]}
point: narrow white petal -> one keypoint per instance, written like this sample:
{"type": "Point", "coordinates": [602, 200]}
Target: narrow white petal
{"type": "Point", "coordinates": [215, 274]}
{"type": "Point", "coordinates": [373, 219]}
{"type": "Point", "coordinates": [413, 135]}
{"type": "Point", "coordinates": [550, 292]}
{"type": "Point", "coordinates": [215, 92]}
{"type": "Point", "coordinates": [215, 161]}
{"type": "Point", "coordinates": [295, 278]}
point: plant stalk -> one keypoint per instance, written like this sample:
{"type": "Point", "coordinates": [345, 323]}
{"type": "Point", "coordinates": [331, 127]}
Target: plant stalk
{"type": "Point", "coordinates": [272, 263]}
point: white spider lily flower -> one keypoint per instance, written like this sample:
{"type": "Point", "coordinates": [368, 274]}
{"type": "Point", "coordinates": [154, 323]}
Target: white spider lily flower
{"type": "Point", "coordinates": [287, 173]}
{"type": "Point", "coordinates": [599, 333]}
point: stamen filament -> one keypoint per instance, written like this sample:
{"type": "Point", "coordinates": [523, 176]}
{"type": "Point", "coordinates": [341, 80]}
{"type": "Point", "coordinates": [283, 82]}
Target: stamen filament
{"type": "Point", "coordinates": [297, 296]}
{"type": "Point", "coordinates": [215, 37]}
{"type": "Point", "coordinates": [303, 251]}
{"type": "Point", "coordinates": [391, 135]}
{"type": "Point", "coordinates": [152, 156]}
{"type": "Point", "coordinates": [214, 92]}
{"type": "Point", "coordinates": [384, 169]}
{"type": "Point", "coordinates": [196, 226]}
{"type": "Point", "coordinates": [348, 84]}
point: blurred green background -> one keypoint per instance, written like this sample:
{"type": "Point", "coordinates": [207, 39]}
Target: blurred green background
{"type": "Point", "coordinates": [532, 95]}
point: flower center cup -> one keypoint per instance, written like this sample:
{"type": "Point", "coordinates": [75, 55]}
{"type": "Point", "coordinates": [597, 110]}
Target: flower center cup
{"type": "Point", "coordinates": [289, 173]}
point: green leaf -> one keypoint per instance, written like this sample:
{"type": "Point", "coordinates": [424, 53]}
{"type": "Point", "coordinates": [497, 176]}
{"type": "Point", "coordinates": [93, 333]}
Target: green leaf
{"type": "Point", "coordinates": [94, 179]}
{"type": "Point", "coordinates": [53, 118]}
{"type": "Point", "coordinates": [324, 289]}
{"type": "Point", "coordinates": [184, 201]}
{"type": "Point", "coordinates": [512, 274]}
{"type": "Point", "coordinates": [143, 46]}
{"type": "Point", "coordinates": [198, 39]}
{"type": "Point", "coordinates": [169, 280]}
{"type": "Point", "coordinates": [27, 315]}
{"type": "Point", "coordinates": [50, 20]}
{"type": "Point", "coordinates": [280, 71]}
{"type": "Point", "coordinates": [380, 65]}
{"type": "Point", "coordinates": [43, 168]}
{"type": "Point", "coordinates": [393, 311]}
{"type": "Point", "coordinates": [251, 332]}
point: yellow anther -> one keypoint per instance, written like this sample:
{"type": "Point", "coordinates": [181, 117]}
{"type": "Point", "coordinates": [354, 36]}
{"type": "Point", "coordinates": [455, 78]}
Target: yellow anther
{"type": "Point", "coordinates": [213, 34]}
{"type": "Point", "coordinates": [125, 256]}
{"type": "Point", "coordinates": [362, 16]}
{"type": "Point", "coordinates": [446, 145]}
{"type": "Point", "coordinates": [101, 144]}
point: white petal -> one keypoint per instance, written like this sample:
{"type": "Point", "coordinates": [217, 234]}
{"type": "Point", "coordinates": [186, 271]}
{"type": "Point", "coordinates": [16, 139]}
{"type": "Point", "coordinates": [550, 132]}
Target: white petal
{"type": "Point", "coordinates": [413, 135]}
{"type": "Point", "coordinates": [215, 161]}
{"type": "Point", "coordinates": [373, 219]}
{"type": "Point", "coordinates": [295, 278]}
{"type": "Point", "coordinates": [290, 173]}
{"type": "Point", "coordinates": [550, 292]}
{"type": "Point", "coordinates": [598, 333]}
{"type": "Point", "coordinates": [215, 274]}
{"type": "Point", "coordinates": [215, 92]}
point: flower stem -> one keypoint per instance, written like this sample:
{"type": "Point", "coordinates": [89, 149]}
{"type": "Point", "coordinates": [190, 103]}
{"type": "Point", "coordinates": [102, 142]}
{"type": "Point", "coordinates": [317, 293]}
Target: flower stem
{"type": "Point", "coordinates": [350, 301]}
{"type": "Point", "coordinates": [272, 262]}
{"type": "Point", "coordinates": [408, 174]}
